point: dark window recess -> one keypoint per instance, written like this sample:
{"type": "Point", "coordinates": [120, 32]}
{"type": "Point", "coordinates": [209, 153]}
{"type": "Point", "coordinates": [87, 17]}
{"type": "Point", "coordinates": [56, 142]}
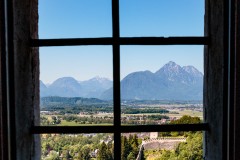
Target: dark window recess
{"type": "Point", "coordinates": [116, 41]}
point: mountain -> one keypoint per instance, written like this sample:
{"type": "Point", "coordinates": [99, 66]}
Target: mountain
{"type": "Point", "coordinates": [133, 86]}
{"type": "Point", "coordinates": [43, 89]}
{"type": "Point", "coordinates": [172, 72]}
{"type": "Point", "coordinates": [65, 87]}
{"type": "Point", "coordinates": [70, 87]}
{"type": "Point", "coordinates": [96, 86]}
{"type": "Point", "coordinates": [171, 82]}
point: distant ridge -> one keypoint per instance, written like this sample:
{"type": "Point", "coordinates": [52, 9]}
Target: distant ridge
{"type": "Point", "coordinates": [170, 82]}
{"type": "Point", "coordinates": [70, 87]}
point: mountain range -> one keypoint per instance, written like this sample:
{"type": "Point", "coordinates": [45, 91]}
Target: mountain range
{"type": "Point", "coordinates": [170, 82]}
{"type": "Point", "coordinates": [70, 87]}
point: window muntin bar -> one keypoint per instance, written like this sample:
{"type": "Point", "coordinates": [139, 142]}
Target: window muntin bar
{"type": "Point", "coordinates": [121, 41]}
{"type": "Point", "coordinates": [123, 129]}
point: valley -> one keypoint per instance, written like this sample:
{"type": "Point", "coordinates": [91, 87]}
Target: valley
{"type": "Point", "coordinates": [64, 111]}
{"type": "Point", "coordinates": [77, 111]}
{"type": "Point", "coordinates": [171, 95]}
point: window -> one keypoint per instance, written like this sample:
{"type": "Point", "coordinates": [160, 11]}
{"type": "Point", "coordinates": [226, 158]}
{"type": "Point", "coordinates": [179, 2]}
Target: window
{"type": "Point", "coordinates": [116, 41]}
{"type": "Point", "coordinates": [22, 70]}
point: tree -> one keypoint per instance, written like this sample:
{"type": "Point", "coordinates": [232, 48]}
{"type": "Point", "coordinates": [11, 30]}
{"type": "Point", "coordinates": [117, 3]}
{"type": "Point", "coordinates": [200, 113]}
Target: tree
{"type": "Point", "coordinates": [125, 148]}
{"type": "Point", "coordinates": [131, 156]}
{"type": "Point", "coordinates": [54, 119]}
{"type": "Point", "coordinates": [84, 153]}
{"type": "Point", "coordinates": [191, 149]}
{"type": "Point", "coordinates": [185, 120]}
{"type": "Point", "coordinates": [134, 145]}
{"type": "Point", "coordinates": [53, 155]}
{"type": "Point", "coordinates": [129, 146]}
{"type": "Point", "coordinates": [104, 153]}
{"type": "Point", "coordinates": [66, 155]}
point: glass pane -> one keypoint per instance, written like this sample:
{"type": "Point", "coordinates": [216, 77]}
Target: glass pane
{"type": "Point", "coordinates": [162, 145]}
{"type": "Point", "coordinates": [160, 84]}
{"type": "Point", "coordinates": [75, 18]}
{"type": "Point", "coordinates": [72, 81]}
{"type": "Point", "coordinates": [77, 146]}
{"type": "Point", "coordinates": [161, 18]}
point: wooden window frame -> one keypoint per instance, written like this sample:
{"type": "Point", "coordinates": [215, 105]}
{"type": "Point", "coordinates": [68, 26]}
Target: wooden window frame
{"type": "Point", "coordinates": [219, 82]}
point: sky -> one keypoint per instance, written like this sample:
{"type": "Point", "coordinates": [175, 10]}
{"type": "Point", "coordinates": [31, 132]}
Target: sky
{"type": "Point", "coordinates": [138, 18]}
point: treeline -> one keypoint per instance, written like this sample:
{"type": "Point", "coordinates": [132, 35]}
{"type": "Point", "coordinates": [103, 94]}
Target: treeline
{"type": "Point", "coordinates": [130, 120]}
{"type": "Point", "coordinates": [76, 109]}
{"type": "Point", "coordinates": [90, 120]}
{"type": "Point", "coordinates": [131, 110]}
{"type": "Point", "coordinates": [167, 102]}
{"type": "Point", "coordinates": [143, 119]}
{"type": "Point", "coordinates": [183, 120]}
{"type": "Point", "coordinates": [93, 109]}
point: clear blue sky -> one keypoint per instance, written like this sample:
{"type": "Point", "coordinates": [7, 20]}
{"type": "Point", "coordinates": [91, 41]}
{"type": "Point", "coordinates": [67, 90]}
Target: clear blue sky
{"type": "Point", "coordinates": [92, 18]}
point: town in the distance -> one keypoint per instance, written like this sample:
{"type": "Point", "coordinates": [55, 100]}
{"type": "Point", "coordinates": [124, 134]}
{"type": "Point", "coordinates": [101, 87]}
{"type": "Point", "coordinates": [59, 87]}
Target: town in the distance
{"type": "Point", "coordinates": [171, 95]}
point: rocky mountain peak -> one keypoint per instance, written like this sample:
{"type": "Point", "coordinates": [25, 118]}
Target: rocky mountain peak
{"type": "Point", "coordinates": [193, 71]}
{"type": "Point", "coordinates": [170, 67]}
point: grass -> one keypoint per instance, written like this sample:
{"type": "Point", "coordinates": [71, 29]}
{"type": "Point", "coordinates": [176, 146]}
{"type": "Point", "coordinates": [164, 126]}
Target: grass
{"type": "Point", "coordinates": [65, 123]}
{"type": "Point", "coordinates": [180, 114]}
{"type": "Point", "coordinates": [186, 112]}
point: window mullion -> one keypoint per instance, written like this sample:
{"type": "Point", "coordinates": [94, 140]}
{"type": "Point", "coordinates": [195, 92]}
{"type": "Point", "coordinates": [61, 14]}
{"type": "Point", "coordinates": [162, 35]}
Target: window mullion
{"type": "Point", "coordinates": [116, 79]}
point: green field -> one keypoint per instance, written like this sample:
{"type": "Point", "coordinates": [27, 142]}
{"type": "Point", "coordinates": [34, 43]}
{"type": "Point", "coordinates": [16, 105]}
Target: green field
{"type": "Point", "coordinates": [186, 112]}
{"type": "Point", "coordinates": [173, 113]}
{"type": "Point", "coordinates": [179, 115]}
{"type": "Point", "coordinates": [65, 123]}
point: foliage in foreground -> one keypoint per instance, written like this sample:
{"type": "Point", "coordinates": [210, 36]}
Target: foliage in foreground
{"type": "Point", "coordinates": [129, 147]}
{"type": "Point", "coordinates": [192, 149]}
{"type": "Point", "coordinates": [189, 150]}
{"type": "Point", "coordinates": [77, 147]}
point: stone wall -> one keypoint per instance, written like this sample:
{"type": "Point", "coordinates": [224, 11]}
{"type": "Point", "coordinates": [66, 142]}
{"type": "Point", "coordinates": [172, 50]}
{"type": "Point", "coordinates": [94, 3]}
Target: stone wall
{"type": "Point", "coordinates": [164, 143]}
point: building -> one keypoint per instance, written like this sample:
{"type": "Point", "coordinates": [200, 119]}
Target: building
{"type": "Point", "coordinates": [153, 135]}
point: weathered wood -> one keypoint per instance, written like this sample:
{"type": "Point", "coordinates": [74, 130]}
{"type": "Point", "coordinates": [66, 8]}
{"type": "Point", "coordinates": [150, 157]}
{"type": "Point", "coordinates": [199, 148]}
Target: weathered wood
{"type": "Point", "coordinates": [237, 84]}
{"type": "Point", "coordinates": [26, 74]}
{"type": "Point", "coordinates": [3, 116]}
{"type": "Point", "coordinates": [1, 134]}
{"type": "Point", "coordinates": [214, 60]}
